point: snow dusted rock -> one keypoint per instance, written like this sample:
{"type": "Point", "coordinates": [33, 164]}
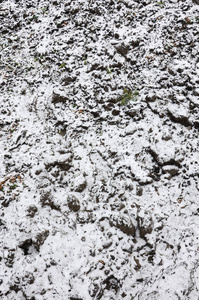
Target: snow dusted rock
{"type": "Point", "coordinates": [139, 190]}
{"type": "Point", "coordinates": [95, 291]}
{"type": "Point", "coordinates": [66, 80]}
{"type": "Point", "coordinates": [172, 170]}
{"type": "Point", "coordinates": [179, 115]}
{"type": "Point", "coordinates": [73, 203]}
{"type": "Point", "coordinates": [145, 180]}
{"type": "Point", "coordinates": [59, 96]}
{"type": "Point", "coordinates": [79, 184]}
{"type": "Point", "coordinates": [46, 199]}
{"type": "Point", "coordinates": [132, 112]}
{"type": "Point", "coordinates": [122, 48]}
{"type": "Point", "coordinates": [62, 161]}
{"type": "Point", "coordinates": [151, 97]}
{"type": "Point", "coordinates": [117, 205]}
{"type": "Point", "coordinates": [123, 223]}
{"type": "Point", "coordinates": [145, 223]}
{"type": "Point", "coordinates": [164, 157]}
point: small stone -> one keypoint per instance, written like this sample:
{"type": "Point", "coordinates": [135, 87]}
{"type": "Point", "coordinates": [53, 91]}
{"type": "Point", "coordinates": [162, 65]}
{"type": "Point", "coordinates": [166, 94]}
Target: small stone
{"type": "Point", "coordinates": [31, 211]}
{"type": "Point", "coordinates": [107, 245]}
{"type": "Point", "coordinates": [67, 80]}
{"type": "Point", "coordinates": [40, 239]}
{"type": "Point", "coordinates": [166, 137]}
{"type": "Point", "coordinates": [123, 295]}
{"type": "Point", "coordinates": [9, 259]}
{"type": "Point", "coordinates": [122, 49]}
{"type": "Point", "coordinates": [73, 203]}
{"type": "Point", "coordinates": [112, 283]}
{"type": "Point", "coordinates": [135, 42]}
{"type": "Point", "coordinates": [115, 112]}
{"type": "Point", "coordinates": [130, 187]}
{"type": "Point", "coordinates": [25, 246]}
{"type": "Point", "coordinates": [28, 278]}
{"type": "Point", "coordinates": [139, 190]}
{"type": "Point", "coordinates": [132, 112]}
{"type": "Point", "coordinates": [85, 217]}
{"type": "Point", "coordinates": [117, 205]}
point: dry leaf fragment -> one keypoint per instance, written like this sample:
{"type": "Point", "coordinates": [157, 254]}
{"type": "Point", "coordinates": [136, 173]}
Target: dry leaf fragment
{"type": "Point", "coordinates": [137, 262]}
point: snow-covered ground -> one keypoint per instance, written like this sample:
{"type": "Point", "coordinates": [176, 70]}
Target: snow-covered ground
{"type": "Point", "coordinates": [99, 157]}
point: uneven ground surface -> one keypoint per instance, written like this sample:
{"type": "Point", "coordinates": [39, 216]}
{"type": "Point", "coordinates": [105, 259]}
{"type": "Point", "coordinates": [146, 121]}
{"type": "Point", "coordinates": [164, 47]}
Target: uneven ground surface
{"type": "Point", "coordinates": [99, 158]}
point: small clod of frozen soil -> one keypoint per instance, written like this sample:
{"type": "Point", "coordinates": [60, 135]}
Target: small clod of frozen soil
{"type": "Point", "coordinates": [99, 158]}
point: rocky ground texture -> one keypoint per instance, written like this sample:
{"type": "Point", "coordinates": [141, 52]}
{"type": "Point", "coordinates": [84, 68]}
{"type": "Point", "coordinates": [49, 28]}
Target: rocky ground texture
{"type": "Point", "coordinates": [99, 156]}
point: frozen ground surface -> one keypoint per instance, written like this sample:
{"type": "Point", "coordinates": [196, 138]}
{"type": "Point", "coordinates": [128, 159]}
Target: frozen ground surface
{"type": "Point", "coordinates": [99, 158]}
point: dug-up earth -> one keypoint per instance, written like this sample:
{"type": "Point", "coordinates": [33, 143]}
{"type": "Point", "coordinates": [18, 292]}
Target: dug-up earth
{"type": "Point", "coordinates": [99, 119]}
